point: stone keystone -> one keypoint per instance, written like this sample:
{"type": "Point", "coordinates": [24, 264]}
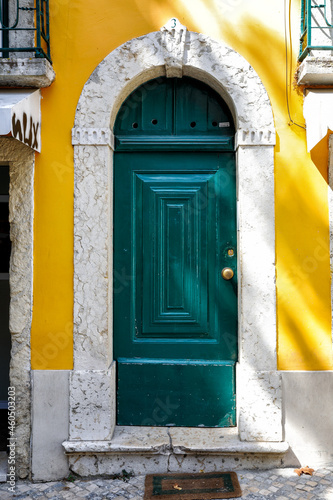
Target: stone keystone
{"type": "Point", "coordinates": [173, 45]}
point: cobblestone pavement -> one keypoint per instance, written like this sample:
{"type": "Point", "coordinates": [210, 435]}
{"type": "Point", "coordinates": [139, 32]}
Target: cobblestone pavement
{"type": "Point", "coordinates": [276, 484]}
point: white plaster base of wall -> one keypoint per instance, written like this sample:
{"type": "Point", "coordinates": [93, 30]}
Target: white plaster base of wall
{"type": "Point", "coordinates": [50, 423]}
{"type": "Point", "coordinates": [308, 417]}
{"type": "Point", "coordinates": [160, 449]}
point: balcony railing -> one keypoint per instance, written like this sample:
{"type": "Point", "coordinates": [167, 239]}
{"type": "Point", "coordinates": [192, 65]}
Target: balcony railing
{"type": "Point", "coordinates": [316, 28]}
{"type": "Point", "coordinates": [24, 28]}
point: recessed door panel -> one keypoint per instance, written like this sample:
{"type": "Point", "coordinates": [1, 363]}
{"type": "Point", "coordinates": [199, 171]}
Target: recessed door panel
{"type": "Point", "coordinates": [175, 250]}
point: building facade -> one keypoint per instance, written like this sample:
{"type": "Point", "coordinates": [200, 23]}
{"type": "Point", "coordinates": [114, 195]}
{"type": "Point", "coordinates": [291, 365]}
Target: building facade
{"type": "Point", "coordinates": [165, 177]}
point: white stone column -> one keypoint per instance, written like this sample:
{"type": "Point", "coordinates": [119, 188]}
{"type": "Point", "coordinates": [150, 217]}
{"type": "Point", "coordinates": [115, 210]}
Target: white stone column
{"type": "Point", "coordinates": [92, 382]}
{"type": "Point", "coordinates": [21, 160]}
{"type": "Point", "coordinates": [258, 381]}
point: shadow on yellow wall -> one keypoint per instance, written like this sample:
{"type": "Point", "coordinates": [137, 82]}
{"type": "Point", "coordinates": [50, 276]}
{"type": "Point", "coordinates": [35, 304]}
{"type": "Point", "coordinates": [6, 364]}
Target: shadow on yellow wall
{"type": "Point", "coordinates": [301, 208]}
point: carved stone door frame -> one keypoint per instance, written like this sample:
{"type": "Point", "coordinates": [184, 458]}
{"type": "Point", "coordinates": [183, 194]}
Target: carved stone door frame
{"type": "Point", "coordinates": [173, 51]}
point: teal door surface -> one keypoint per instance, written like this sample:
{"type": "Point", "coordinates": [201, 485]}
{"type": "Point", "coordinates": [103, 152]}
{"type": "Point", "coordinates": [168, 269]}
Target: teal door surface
{"type": "Point", "coordinates": [175, 317]}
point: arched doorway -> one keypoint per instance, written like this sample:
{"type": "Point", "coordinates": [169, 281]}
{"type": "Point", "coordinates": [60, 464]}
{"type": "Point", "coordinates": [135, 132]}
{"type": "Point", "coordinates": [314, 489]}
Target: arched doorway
{"type": "Point", "coordinates": [171, 52]}
{"type": "Point", "coordinates": [175, 315]}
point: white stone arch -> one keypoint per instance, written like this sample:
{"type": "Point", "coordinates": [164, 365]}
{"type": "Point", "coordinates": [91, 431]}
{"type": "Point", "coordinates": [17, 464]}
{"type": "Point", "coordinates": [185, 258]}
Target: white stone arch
{"type": "Point", "coordinates": [173, 51]}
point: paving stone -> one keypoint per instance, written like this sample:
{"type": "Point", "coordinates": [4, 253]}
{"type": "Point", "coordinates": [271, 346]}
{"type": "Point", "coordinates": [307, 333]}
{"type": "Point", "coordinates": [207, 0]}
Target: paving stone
{"type": "Point", "coordinates": [22, 488]}
{"type": "Point", "coordinates": [277, 484]}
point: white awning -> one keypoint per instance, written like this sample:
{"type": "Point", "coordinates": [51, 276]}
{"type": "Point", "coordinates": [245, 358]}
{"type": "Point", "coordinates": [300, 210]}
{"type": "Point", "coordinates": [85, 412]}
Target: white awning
{"type": "Point", "coordinates": [318, 114]}
{"type": "Point", "coordinates": [20, 116]}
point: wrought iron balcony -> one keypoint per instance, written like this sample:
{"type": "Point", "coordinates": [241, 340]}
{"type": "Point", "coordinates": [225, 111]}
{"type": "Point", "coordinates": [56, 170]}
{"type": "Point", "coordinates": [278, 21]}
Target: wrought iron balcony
{"type": "Point", "coordinates": [316, 28]}
{"type": "Point", "coordinates": [24, 28]}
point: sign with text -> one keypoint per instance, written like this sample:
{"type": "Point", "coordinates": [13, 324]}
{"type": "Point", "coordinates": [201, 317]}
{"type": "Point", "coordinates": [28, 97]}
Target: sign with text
{"type": "Point", "coordinates": [26, 121]}
{"type": "Point", "coordinates": [20, 116]}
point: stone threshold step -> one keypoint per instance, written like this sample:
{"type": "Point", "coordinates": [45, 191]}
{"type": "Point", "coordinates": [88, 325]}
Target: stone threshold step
{"type": "Point", "coordinates": [175, 440]}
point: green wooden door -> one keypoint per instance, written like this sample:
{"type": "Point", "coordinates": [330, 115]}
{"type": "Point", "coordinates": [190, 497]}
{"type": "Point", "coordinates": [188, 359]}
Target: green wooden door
{"type": "Point", "coordinates": [175, 317]}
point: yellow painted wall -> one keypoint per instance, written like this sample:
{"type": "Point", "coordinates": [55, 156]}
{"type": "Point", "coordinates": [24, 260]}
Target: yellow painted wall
{"type": "Point", "coordinates": [83, 32]}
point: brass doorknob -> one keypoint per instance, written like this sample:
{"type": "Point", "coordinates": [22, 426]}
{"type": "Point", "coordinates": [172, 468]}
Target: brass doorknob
{"type": "Point", "coordinates": [227, 273]}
